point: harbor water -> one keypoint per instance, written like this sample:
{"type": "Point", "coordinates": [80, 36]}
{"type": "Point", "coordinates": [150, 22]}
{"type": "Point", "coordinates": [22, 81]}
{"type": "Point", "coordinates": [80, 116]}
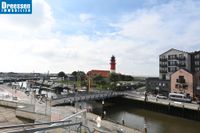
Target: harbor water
{"type": "Point", "coordinates": [155, 122]}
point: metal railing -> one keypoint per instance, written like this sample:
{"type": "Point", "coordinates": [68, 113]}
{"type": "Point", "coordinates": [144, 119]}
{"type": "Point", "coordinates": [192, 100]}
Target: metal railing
{"type": "Point", "coordinates": [76, 122]}
{"type": "Point", "coordinates": [31, 130]}
{"type": "Point", "coordinates": [32, 124]}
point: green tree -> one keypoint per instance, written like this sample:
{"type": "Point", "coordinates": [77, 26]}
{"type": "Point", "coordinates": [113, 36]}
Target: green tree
{"type": "Point", "coordinates": [61, 74]}
{"type": "Point", "coordinates": [80, 77]}
{"type": "Point", "coordinates": [114, 77]}
{"type": "Point", "coordinates": [98, 79]}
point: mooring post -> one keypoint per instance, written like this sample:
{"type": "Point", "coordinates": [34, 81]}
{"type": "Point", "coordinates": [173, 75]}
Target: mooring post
{"type": "Point", "coordinates": [183, 110]}
{"type": "Point", "coordinates": [145, 128]}
{"type": "Point", "coordinates": [145, 125]}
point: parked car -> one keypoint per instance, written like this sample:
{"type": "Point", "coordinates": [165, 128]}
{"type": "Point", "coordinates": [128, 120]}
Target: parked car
{"type": "Point", "coordinates": [161, 97]}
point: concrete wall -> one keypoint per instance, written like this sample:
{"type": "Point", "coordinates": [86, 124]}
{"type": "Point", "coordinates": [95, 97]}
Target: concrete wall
{"type": "Point", "coordinates": [24, 112]}
{"type": "Point", "coordinates": [188, 80]}
{"type": "Point", "coordinates": [32, 115]}
{"type": "Point", "coordinates": [9, 104]}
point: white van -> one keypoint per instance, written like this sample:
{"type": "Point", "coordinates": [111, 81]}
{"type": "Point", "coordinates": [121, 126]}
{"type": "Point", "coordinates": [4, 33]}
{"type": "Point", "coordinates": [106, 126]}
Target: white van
{"type": "Point", "coordinates": [179, 97]}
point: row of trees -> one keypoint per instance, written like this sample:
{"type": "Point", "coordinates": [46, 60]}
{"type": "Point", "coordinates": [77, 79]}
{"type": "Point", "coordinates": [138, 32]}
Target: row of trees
{"type": "Point", "coordinates": [97, 80]}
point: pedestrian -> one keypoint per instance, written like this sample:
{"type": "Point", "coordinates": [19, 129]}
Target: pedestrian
{"type": "Point", "coordinates": [123, 122]}
{"type": "Point", "coordinates": [146, 98]}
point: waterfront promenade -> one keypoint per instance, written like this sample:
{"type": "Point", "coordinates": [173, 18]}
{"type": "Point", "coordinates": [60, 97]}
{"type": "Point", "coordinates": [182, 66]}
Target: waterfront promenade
{"type": "Point", "coordinates": [55, 113]}
{"type": "Point", "coordinates": [141, 97]}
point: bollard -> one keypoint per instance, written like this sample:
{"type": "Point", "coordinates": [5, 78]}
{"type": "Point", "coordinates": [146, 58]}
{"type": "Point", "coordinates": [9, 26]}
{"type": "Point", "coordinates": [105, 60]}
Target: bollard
{"type": "Point", "coordinates": [169, 107]}
{"type": "Point", "coordinates": [145, 128]}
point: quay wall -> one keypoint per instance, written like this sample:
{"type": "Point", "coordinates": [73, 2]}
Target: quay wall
{"type": "Point", "coordinates": [24, 112]}
{"type": "Point", "coordinates": [9, 104]}
{"type": "Point", "coordinates": [170, 109]}
{"type": "Point", "coordinates": [32, 116]}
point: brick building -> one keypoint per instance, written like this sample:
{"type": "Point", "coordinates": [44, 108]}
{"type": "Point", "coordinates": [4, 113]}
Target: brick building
{"type": "Point", "coordinates": [182, 82]}
{"type": "Point", "coordinates": [103, 73]}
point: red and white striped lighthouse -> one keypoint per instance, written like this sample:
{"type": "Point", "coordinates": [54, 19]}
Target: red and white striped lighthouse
{"type": "Point", "coordinates": [112, 64]}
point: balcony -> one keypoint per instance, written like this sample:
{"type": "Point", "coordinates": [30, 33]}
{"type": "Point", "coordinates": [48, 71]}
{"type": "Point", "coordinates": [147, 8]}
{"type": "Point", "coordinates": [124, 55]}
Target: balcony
{"type": "Point", "coordinates": [172, 64]}
{"type": "Point", "coordinates": [197, 57]}
{"type": "Point", "coordinates": [172, 58]}
{"type": "Point", "coordinates": [182, 65]}
{"type": "Point", "coordinates": [180, 81]}
{"type": "Point", "coordinates": [163, 65]}
{"type": "Point", "coordinates": [172, 69]}
{"type": "Point", "coordinates": [181, 86]}
{"type": "Point", "coordinates": [182, 58]}
{"type": "Point", "coordinates": [197, 63]}
{"type": "Point", "coordinates": [163, 59]}
{"type": "Point", "coordinates": [163, 71]}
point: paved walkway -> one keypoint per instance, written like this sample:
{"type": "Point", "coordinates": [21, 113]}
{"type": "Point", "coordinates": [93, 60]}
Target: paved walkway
{"type": "Point", "coordinates": [57, 113]}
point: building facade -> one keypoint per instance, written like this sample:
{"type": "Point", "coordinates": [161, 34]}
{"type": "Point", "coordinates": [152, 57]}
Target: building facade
{"type": "Point", "coordinates": [195, 57]}
{"type": "Point", "coordinates": [197, 84]}
{"type": "Point", "coordinates": [175, 62]}
{"type": "Point", "coordinates": [171, 61]}
{"type": "Point", "coordinates": [158, 86]}
{"type": "Point", "coordinates": [182, 82]}
{"type": "Point", "coordinates": [103, 73]}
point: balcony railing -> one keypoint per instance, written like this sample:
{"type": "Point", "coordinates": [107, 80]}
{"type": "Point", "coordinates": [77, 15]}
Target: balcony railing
{"type": "Point", "coordinates": [172, 70]}
{"type": "Point", "coordinates": [172, 64]}
{"type": "Point", "coordinates": [163, 59]}
{"type": "Point", "coordinates": [182, 65]}
{"type": "Point", "coordinates": [163, 71]}
{"type": "Point", "coordinates": [181, 58]}
{"type": "Point", "coordinates": [197, 57]}
{"type": "Point", "coordinates": [172, 58]}
{"type": "Point", "coordinates": [183, 86]}
{"type": "Point", "coordinates": [163, 65]}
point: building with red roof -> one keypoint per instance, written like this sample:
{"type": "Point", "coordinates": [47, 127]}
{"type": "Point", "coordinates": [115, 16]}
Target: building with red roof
{"type": "Point", "coordinates": [103, 73]}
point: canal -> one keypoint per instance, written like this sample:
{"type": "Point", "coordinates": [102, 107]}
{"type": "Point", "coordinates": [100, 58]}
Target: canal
{"type": "Point", "coordinates": [156, 122]}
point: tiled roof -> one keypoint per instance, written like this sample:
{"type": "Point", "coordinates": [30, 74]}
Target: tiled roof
{"type": "Point", "coordinates": [103, 73]}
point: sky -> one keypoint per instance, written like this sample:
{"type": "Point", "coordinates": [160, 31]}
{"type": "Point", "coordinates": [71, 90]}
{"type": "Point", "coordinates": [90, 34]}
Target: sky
{"type": "Point", "coordinates": [72, 35]}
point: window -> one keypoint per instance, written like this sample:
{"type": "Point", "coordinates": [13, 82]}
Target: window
{"type": "Point", "coordinates": [197, 69]}
{"type": "Point", "coordinates": [196, 62]}
{"type": "Point", "coordinates": [176, 86]}
{"type": "Point", "coordinates": [180, 55]}
{"type": "Point", "coordinates": [180, 79]}
{"type": "Point", "coordinates": [197, 56]}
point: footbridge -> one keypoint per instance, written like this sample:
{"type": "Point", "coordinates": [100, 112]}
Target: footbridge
{"type": "Point", "coordinates": [77, 97]}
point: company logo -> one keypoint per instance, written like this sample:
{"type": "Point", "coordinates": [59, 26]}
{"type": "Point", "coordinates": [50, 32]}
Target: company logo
{"type": "Point", "coordinates": [15, 6]}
